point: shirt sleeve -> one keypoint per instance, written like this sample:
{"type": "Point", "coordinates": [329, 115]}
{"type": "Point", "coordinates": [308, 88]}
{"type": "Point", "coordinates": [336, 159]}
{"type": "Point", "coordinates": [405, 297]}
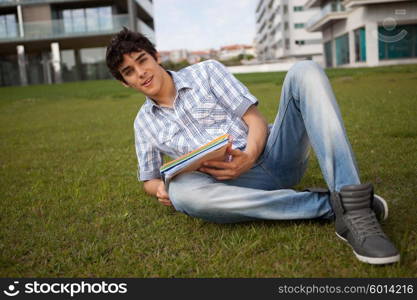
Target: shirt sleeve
{"type": "Point", "coordinates": [149, 158]}
{"type": "Point", "coordinates": [228, 90]}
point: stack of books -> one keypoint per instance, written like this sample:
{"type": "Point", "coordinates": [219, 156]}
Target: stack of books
{"type": "Point", "coordinates": [214, 150]}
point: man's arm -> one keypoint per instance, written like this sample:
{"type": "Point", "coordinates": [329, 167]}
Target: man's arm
{"type": "Point", "coordinates": [258, 130]}
{"type": "Point", "coordinates": [156, 187]}
{"type": "Point", "coordinates": [242, 161]}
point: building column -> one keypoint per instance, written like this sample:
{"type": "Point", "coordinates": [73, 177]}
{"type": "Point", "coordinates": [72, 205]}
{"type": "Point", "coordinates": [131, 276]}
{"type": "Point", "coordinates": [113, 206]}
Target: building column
{"type": "Point", "coordinates": [334, 59]}
{"type": "Point", "coordinates": [46, 67]}
{"type": "Point", "coordinates": [333, 47]}
{"type": "Point", "coordinates": [371, 37]}
{"type": "Point", "coordinates": [352, 55]}
{"type": "Point", "coordinates": [21, 61]}
{"type": "Point", "coordinates": [79, 65]}
{"type": "Point", "coordinates": [20, 21]}
{"type": "Point", "coordinates": [56, 63]}
{"type": "Point", "coordinates": [131, 8]}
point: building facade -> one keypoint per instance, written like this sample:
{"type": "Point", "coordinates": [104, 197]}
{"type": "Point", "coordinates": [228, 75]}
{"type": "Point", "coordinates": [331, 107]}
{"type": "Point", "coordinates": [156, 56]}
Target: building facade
{"type": "Point", "coordinates": [366, 32]}
{"type": "Point", "coordinates": [281, 32]}
{"type": "Point", "coordinates": [53, 41]}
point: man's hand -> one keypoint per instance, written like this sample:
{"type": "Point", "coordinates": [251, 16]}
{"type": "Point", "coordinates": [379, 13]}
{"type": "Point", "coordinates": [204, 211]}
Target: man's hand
{"type": "Point", "coordinates": [162, 195]}
{"type": "Point", "coordinates": [240, 163]}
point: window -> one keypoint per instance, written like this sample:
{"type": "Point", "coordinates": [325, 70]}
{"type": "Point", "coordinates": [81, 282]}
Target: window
{"type": "Point", "coordinates": [94, 63]}
{"type": "Point", "coordinates": [400, 42]}
{"type": "Point", "coordinates": [285, 25]}
{"type": "Point", "coordinates": [34, 69]}
{"type": "Point", "coordinates": [285, 9]}
{"type": "Point", "coordinates": [87, 19]}
{"type": "Point", "coordinates": [342, 50]}
{"type": "Point", "coordinates": [298, 8]}
{"type": "Point", "coordinates": [300, 42]}
{"type": "Point", "coordinates": [328, 54]}
{"type": "Point", "coordinates": [298, 25]}
{"type": "Point", "coordinates": [360, 44]}
{"type": "Point", "coordinates": [9, 70]}
{"type": "Point", "coordinates": [8, 26]}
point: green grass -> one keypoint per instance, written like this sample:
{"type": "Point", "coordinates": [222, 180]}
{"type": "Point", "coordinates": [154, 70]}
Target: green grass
{"type": "Point", "coordinates": [71, 205]}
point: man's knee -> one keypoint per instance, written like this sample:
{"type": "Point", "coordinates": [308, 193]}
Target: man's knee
{"type": "Point", "coordinates": [185, 192]}
{"type": "Point", "coordinates": [305, 69]}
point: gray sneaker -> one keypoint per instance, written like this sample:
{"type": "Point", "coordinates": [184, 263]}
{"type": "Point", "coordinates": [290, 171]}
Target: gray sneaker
{"type": "Point", "coordinates": [378, 204]}
{"type": "Point", "coordinates": [356, 223]}
{"type": "Point", "coordinates": [380, 207]}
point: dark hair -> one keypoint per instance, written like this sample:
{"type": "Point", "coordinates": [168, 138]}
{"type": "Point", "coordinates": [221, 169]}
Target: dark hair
{"type": "Point", "coordinates": [125, 42]}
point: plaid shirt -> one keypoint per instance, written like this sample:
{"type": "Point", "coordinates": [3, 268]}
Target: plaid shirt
{"type": "Point", "coordinates": [210, 102]}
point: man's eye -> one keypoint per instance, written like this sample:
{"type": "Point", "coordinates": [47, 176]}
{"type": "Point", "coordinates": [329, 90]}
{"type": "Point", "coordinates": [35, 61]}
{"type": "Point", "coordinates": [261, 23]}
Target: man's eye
{"type": "Point", "coordinates": [128, 72]}
{"type": "Point", "coordinates": [142, 60]}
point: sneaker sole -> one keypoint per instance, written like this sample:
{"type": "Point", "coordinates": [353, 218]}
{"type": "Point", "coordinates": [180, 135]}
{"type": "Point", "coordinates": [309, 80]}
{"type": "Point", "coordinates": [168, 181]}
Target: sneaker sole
{"type": "Point", "coordinates": [384, 203]}
{"type": "Point", "coordinates": [372, 260]}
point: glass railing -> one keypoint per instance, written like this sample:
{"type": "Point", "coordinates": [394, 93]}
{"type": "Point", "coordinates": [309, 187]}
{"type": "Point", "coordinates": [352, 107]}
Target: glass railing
{"type": "Point", "coordinates": [146, 4]}
{"type": "Point", "coordinates": [330, 7]}
{"type": "Point", "coordinates": [64, 28]}
{"type": "Point", "coordinates": [11, 32]}
{"type": "Point", "coordinates": [14, 2]}
{"type": "Point", "coordinates": [7, 2]}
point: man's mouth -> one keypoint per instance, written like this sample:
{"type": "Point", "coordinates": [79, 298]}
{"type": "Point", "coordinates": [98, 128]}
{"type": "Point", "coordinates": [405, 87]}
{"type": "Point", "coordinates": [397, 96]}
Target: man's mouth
{"type": "Point", "coordinates": [147, 82]}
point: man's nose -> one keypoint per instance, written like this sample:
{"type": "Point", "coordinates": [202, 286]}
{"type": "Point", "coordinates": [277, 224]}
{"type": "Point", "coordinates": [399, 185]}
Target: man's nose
{"type": "Point", "coordinates": [140, 72]}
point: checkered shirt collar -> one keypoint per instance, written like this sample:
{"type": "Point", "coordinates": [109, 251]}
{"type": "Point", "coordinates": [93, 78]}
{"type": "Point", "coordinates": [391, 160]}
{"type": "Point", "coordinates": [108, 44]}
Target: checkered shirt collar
{"type": "Point", "coordinates": [180, 82]}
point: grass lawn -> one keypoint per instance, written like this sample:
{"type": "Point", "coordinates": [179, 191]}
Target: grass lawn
{"type": "Point", "coordinates": [71, 205]}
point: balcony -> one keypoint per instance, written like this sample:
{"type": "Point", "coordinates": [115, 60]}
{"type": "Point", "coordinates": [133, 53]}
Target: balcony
{"type": "Point", "coordinates": [333, 10]}
{"type": "Point", "coordinates": [29, 2]}
{"type": "Point", "coordinates": [145, 4]}
{"type": "Point", "coordinates": [55, 29]}
{"type": "Point", "coordinates": [353, 3]}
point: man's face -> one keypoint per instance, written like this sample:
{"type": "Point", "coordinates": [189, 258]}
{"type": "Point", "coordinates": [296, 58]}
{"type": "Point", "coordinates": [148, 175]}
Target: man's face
{"type": "Point", "coordinates": [142, 72]}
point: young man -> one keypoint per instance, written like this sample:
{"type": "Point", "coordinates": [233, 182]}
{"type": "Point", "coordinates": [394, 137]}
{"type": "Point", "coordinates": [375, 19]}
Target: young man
{"type": "Point", "coordinates": [186, 109]}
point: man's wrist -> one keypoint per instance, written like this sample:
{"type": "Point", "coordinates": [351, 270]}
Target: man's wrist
{"type": "Point", "coordinates": [252, 155]}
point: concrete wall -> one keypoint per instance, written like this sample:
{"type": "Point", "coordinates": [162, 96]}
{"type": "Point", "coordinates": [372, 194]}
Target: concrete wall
{"type": "Point", "coordinates": [275, 67]}
{"type": "Point", "coordinates": [36, 13]}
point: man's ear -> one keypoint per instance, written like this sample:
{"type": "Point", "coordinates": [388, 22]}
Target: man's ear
{"type": "Point", "coordinates": [158, 58]}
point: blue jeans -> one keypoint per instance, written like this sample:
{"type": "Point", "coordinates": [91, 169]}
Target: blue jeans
{"type": "Point", "coordinates": [308, 115]}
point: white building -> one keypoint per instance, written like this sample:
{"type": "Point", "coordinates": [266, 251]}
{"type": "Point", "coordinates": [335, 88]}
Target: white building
{"type": "Point", "coordinates": [197, 56]}
{"type": "Point", "coordinates": [281, 32]}
{"type": "Point", "coordinates": [228, 52]}
{"type": "Point", "coordinates": [178, 55]}
{"type": "Point", "coordinates": [366, 32]}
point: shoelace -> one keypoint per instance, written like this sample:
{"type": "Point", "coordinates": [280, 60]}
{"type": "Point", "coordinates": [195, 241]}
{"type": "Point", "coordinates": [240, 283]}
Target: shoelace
{"type": "Point", "coordinates": [365, 224]}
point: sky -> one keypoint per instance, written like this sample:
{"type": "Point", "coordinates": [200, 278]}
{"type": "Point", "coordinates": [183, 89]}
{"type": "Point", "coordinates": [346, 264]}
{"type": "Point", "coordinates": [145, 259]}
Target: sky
{"type": "Point", "coordinates": [203, 24]}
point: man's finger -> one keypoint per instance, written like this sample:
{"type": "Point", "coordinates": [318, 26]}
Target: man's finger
{"type": "Point", "coordinates": [229, 148]}
{"type": "Point", "coordinates": [217, 164]}
{"type": "Point", "coordinates": [162, 194]}
{"type": "Point", "coordinates": [218, 173]}
{"type": "Point", "coordinates": [224, 178]}
{"type": "Point", "coordinates": [165, 202]}
{"type": "Point", "coordinates": [236, 152]}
